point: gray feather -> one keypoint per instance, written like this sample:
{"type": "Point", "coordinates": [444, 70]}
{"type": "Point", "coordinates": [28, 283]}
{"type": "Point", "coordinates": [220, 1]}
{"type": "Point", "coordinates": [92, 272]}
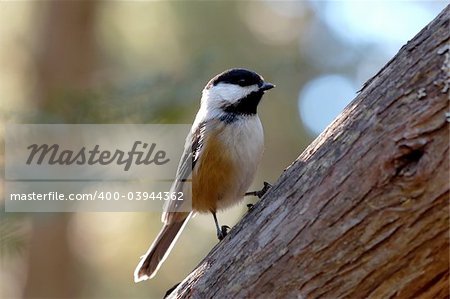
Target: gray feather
{"type": "Point", "coordinates": [160, 249]}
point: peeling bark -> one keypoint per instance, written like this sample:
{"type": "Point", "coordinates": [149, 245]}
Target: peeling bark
{"type": "Point", "coordinates": [364, 211]}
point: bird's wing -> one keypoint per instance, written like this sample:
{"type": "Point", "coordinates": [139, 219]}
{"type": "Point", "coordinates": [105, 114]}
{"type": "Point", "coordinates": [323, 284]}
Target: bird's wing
{"type": "Point", "coordinates": [182, 183]}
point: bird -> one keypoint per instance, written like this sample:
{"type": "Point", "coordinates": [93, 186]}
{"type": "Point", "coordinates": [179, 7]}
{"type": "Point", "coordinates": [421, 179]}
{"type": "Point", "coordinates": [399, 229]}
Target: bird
{"type": "Point", "coordinates": [221, 154]}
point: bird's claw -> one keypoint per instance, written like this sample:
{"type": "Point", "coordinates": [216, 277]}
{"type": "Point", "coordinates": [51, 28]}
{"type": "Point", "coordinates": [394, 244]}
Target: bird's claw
{"type": "Point", "coordinates": [223, 232]}
{"type": "Point", "coordinates": [261, 192]}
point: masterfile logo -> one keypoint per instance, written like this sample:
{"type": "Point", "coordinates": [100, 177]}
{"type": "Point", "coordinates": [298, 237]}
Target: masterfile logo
{"type": "Point", "coordinates": [53, 155]}
{"type": "Point", "coordinates": [70, 168]}
{"type": "Point", "coordinates": [93, 152]}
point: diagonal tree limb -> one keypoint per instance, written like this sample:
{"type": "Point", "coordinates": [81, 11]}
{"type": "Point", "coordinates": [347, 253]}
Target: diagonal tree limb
{"type": "Point", "coordinates": [364, 211]}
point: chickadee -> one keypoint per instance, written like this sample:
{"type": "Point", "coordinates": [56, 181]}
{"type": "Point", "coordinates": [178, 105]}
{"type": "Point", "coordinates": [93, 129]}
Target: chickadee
{"type": "Point", "coordinates": [221, 155]}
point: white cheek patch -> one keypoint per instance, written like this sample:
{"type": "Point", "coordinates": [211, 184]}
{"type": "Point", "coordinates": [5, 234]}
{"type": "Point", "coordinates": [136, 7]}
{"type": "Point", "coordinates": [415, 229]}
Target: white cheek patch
{"type": "Point", "coordinates": [230, 93]}
{"type": "Point", "coordinates": [214, 98]}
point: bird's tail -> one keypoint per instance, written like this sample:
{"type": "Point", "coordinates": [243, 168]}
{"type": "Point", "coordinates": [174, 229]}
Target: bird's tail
{"type": "Point", "coordinates": [159, 250]}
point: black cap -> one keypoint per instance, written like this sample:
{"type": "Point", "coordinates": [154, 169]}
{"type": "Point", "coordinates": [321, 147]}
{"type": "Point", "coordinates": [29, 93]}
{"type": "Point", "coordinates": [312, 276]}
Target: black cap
{"type": "Point", "coordinates": [238, 76]}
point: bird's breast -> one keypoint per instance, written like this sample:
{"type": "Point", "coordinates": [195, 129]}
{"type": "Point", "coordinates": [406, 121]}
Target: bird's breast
{"type": "Point", "coordinates": [227, 163]}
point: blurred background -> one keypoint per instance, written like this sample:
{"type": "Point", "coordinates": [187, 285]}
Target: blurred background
{"type": "Point", "coordinates": [147, 62]}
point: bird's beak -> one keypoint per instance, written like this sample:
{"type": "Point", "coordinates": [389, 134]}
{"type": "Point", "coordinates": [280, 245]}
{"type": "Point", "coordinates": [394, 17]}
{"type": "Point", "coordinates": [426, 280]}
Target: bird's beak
{"type": "Point", "coordinates": [266, 86]}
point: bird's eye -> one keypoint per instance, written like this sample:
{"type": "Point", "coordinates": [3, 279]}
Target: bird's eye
{"type": "Point", "coordinates": [241, 82]}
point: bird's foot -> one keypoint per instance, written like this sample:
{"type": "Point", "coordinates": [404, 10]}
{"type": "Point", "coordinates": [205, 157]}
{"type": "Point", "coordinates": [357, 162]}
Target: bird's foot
{"type": "Point", "coordinates": [223, 232]}
{"type": "Point", "coordinates": [261, 192]}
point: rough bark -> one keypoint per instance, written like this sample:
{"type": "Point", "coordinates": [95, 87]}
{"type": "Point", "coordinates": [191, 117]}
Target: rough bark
{"type": "Point", "coordinates": [364, 211]}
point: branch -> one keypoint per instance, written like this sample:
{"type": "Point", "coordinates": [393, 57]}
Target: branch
{"type": "Point", "coordinates": [363, 212]}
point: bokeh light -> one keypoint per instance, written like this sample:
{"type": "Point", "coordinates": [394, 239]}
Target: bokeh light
{"type": "Point", "coordinates": [322, 99]}
{"type": "Point", "coordinates": [353, 40]}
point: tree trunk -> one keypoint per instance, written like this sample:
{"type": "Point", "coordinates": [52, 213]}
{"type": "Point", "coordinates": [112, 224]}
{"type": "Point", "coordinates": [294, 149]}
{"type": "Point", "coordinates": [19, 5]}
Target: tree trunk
{"type": "Point", "coordinates": [64, 62]}
{"type": "Point", "coordinates": [364, 211]}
